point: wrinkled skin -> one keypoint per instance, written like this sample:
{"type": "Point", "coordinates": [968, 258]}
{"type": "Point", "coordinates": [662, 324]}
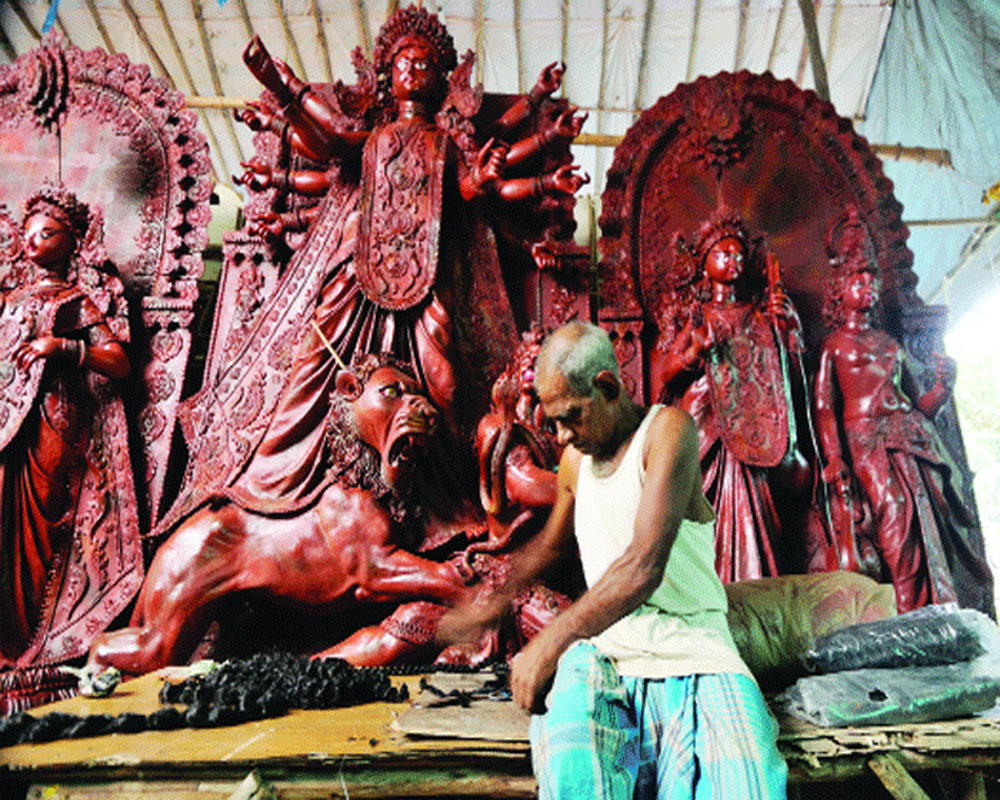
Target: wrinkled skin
{"type": "Point", "coordinates": [340, 551]}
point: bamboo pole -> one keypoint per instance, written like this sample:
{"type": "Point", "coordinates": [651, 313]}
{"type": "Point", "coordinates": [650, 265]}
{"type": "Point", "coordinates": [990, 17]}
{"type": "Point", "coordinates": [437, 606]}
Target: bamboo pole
{"type": "Point", "coordinates": [640, 81]}
{"type": "Point", "coordinates": [564, 39]}
{"type": "Point", "coordinates": [695, 23]}
{"type": "Point", "coordinates": [7, 47]}
{"type": "Point", "coordinates": [777, 35]}
{"type": "Point", "coordinates": [144, 38]}
{"type": "Point", "coordinates": [951, 222]}
{"type": "Point", "coordinates": [213, 72]}
{"type": "Point", "coordinates": [518, 47]}
{"type": "Point", "coordinates": [362, 22]}
{"type": "Point", "coordinates": [293, 47]}
{"type": "Point", "coordinates": [479, 38]}
{"type": "Point", "coordinates": [15, 6]}
{"type": "Point", "coordinates": [741, 34]}
{"type": "Point", "coordinates": [896, 152]}
{"type": "Point", "coordinates": [323, 46]}
{"type": "Point", "coordinates": [99, 24]}
{"type": "Point", "coordinates": [815, 53]}
{"type": "Point", "coordinates": [245, 16]}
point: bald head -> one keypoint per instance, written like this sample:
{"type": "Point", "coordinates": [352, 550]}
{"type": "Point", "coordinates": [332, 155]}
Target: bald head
{"type": "Point", "coordinates": [578, 351]}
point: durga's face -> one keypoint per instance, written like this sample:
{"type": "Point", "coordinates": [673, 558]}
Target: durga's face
{"type": "Point", "coordinates": [414, 73]}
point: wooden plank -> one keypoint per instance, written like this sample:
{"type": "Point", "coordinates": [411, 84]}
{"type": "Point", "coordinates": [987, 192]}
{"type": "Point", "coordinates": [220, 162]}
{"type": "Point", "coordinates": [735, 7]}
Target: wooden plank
{"type": "Point", "coordinates": [897, 781]}
{"type": "Point", "coordinates": [352, 738]}
{"type": "Point", "coordinates": [399, 787]}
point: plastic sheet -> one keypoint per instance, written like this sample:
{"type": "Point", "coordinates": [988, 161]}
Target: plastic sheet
{"type": "Point", "coordinates": [880, 696]}
{"type": "Point", "coordinates": [929, 636]}
{"type": "Point", "coordinates": [890, 696]}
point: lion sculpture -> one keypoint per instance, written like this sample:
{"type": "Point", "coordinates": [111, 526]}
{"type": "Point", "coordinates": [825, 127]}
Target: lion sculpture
{"type": "Point", "coordinates": [349, 547]}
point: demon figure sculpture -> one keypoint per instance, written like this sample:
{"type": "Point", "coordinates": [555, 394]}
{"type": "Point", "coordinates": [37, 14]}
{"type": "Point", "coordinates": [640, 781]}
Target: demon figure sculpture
{"type": "Point", "coordinates": [380, 498]}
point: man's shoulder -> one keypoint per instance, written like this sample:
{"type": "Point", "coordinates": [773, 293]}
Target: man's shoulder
{"type": "Point", "coordinates": [670, 420]}
{"type": "Point", "coordinates": [569, 468]}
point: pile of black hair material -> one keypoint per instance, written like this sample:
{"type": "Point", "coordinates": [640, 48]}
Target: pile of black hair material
{"type": "Point", "coordinates": [264, 685]}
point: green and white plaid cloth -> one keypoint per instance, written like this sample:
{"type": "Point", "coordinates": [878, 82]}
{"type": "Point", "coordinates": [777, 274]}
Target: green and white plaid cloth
{"type": "Point", "coordinates": [694, 737]}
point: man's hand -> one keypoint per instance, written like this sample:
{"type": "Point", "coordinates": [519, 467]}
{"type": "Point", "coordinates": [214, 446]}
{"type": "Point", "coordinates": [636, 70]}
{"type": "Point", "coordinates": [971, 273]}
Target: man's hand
{"type": "Point", "coordinates": [531, 673]}
{"type": "Point", "coordinates": [471, 618]}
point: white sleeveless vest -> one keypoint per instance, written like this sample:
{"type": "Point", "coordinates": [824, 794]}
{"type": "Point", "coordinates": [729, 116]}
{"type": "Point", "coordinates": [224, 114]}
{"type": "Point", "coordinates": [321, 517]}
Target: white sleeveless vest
{"type": "Point", "coordinates": [681, 628]}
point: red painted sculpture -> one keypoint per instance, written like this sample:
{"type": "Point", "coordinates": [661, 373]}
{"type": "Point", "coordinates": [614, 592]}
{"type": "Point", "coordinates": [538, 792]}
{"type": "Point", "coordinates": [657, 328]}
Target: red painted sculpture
{"type": "Point", "coordinates": [382, 451]}
{"type": "Point", "coordinates": [517, 458]}
{"type": "Point", "coordinates": [406, 272]}
{"type": "Point", "coordinates": [517, 485]}
{"type": "Point", "coordinates": [729, 353]}
{"type": "Point", "coordinates": [894, 505]}
{"type": "Point", "coordinates": [400, 255]}
{"type": "Point", "coordinates": [124, 139]}
{"type": "Point", "coordinates": [789, 165]}
{"type": "Point", "coordinates": [384, 497]}
{"type": "Point", "coordinates": [69, 546]}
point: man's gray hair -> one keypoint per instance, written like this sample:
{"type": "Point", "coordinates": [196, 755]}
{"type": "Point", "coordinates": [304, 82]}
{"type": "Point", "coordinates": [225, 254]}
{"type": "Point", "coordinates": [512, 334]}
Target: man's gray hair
{"type": "Point", "coordinates": [578, 351]}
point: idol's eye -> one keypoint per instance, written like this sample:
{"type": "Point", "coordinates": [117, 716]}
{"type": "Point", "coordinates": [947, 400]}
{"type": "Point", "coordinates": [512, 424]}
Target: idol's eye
{"type": "Point", "coordinates": [392, 391]}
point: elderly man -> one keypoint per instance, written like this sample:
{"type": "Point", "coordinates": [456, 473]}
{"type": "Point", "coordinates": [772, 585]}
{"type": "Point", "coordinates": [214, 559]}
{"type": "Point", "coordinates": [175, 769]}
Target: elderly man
{"type": "Point", "coordinates": [650, 698]}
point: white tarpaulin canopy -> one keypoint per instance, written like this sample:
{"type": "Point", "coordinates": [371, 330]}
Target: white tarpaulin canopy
{"type": "Point", "coordinates": [918, 74]}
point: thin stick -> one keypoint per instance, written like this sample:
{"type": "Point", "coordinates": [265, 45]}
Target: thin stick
{"type": "Point", "coordinates": [328, 346]}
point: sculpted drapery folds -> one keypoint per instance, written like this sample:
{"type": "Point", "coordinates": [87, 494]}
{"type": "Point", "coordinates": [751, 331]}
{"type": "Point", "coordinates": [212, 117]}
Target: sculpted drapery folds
{"type": "Point", "coordinates": [70, 557]}
{"type": "Point", "coordinates": [729, 353]}
{"type": "Point", "coordinates": [895, 505]}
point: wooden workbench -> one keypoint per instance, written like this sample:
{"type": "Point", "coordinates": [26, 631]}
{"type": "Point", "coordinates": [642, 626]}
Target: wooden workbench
{"type": "Point", "coordinates": [385, 750]}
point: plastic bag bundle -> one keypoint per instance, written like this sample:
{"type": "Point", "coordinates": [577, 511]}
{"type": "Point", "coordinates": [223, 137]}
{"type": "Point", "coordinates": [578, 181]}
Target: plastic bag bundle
{"type": "Point", "coordinates": [880, 696]}
{"type": "Point", "coordinates": [891, 696]}
{"type": "Point", "coordinates": [929, 636]}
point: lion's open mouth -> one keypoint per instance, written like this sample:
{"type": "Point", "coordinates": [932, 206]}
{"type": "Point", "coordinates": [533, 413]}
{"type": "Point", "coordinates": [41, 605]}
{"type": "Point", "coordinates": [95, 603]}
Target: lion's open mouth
{"type": "Point", "coordinates": [406, 447]}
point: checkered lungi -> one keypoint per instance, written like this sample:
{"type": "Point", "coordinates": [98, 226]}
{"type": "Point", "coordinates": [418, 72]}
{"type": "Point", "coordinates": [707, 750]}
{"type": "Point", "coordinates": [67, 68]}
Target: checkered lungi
{"type": "Point", "coordinates": [696, 736]}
